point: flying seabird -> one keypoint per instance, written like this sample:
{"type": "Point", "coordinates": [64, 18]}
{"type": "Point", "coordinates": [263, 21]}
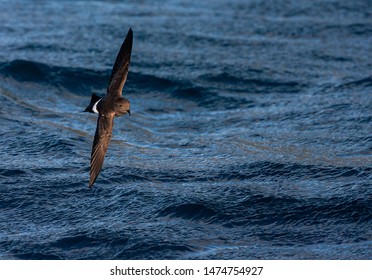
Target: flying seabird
{"type": "Point", "coordinates": [109, 106]}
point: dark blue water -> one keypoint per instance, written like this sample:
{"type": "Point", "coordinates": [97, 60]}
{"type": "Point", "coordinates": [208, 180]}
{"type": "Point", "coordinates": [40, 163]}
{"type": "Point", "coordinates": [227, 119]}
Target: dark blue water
{"type": "Point", "coordinates": [250, 136]}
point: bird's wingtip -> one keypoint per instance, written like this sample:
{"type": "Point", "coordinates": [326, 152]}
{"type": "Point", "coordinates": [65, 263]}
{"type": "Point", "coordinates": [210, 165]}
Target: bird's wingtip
{"type": "Point", "coordinates": [91, 183]}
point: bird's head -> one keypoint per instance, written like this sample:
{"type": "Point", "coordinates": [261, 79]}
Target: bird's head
{"type": "Point", "coordinates": [122, 106]}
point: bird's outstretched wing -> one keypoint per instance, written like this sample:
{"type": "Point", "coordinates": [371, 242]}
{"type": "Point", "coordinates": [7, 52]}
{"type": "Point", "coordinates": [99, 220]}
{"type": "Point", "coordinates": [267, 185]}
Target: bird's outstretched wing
{"type": "Point", "coordinates": [121, 67]}
{"type": "Point", "coordinates": [100, 145]}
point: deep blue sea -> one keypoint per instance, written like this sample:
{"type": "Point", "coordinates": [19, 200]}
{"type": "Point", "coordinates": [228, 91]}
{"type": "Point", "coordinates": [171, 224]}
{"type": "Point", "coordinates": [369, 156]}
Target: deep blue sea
{"type": "Point", "coordinates": [250, 135]}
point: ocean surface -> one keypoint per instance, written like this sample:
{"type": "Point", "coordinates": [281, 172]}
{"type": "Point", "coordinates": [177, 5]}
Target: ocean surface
{"type": "Point", "coordinates": [250, 135]}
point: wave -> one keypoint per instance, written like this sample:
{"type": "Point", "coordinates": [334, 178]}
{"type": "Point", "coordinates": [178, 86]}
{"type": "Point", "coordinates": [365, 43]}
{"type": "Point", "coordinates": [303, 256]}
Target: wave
{"type": "Point", "coordinates": [76, 80]}
{"type": "Point", "coordinates": [205, 90]}
{"type": "Point", "coordinates": [222, 91]}
{"type": "Point", "coordinates": [93, 245]}
{"type": "Point", "coordinates": [291, 170]}
{"type": "Point", "coordinates": [365, 82]}
{"type": "Point", "coordinates": [243, 172]}
{"type": "Point", "coordinates": [81, 80]}
{"type": "Point", "coordinates": [266, 210]}
{"type": "Point", "coordinates": [253, 85]}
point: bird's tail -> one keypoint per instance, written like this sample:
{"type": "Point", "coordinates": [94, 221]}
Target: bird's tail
{"type": "Point", "coordinates": [93, 101]}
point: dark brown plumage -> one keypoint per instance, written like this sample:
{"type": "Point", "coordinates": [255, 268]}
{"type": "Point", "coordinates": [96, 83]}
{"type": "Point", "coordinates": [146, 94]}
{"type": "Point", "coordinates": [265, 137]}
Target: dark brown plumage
{"type": "Point", "coordinates": [110, 106]}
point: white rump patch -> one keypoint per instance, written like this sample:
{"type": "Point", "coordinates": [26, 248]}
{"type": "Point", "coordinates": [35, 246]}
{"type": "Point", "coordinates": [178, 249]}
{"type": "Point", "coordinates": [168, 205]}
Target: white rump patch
{"type": "Point", "coordinates": [95, 107]}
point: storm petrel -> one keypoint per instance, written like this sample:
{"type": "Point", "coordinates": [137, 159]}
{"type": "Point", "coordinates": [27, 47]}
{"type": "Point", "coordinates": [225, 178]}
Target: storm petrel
{"type": "Point", "coordinates": [109, 106]}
